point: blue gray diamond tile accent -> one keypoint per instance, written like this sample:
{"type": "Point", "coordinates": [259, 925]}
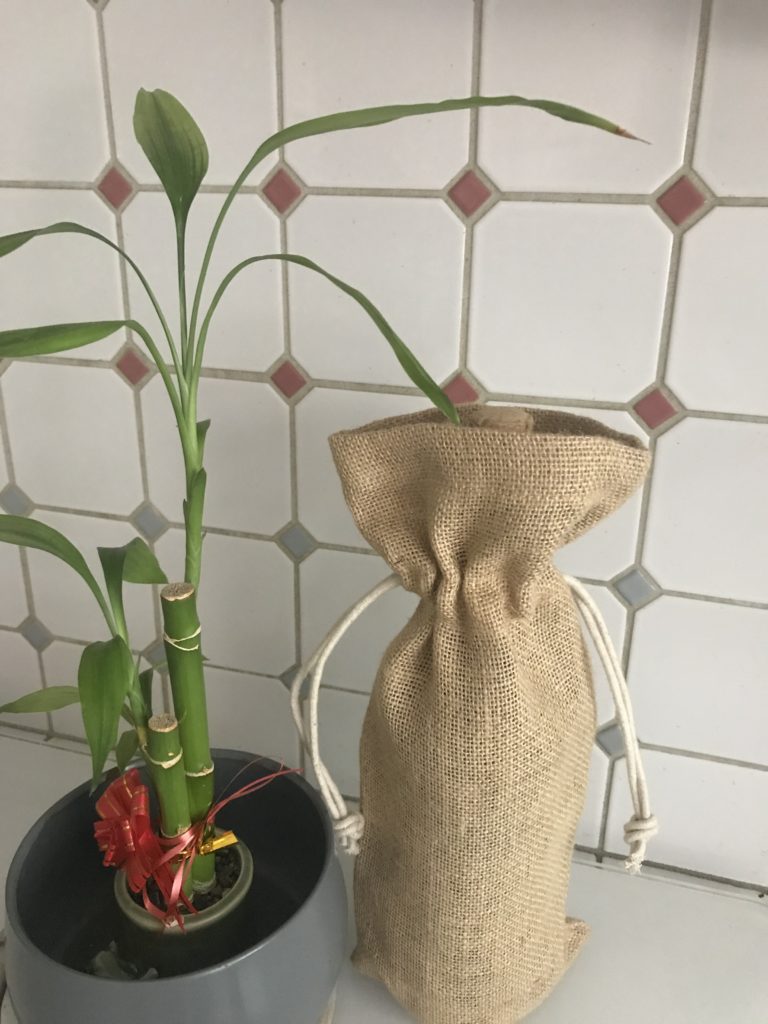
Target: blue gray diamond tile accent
{"type": "Point", "coordinates": [297, 541]}
{"type": "Point", "coordinates": [35, 633]}
{"type": "Point", "coordinates": [610, 740]}
{"type": "Point", "coordinates": [637, 587]}
{"type": "Point", "coordinates": [149, 522]}
{"type": "Point", "coordinates": [155, 653]}
{"type": "Point", "coordinates": [14, 501]}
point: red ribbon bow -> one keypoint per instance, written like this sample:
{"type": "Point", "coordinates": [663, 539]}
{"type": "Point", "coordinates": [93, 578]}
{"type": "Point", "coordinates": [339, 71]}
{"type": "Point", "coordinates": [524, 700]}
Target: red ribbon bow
{"type": "Point", "coordinates": [126, 838]}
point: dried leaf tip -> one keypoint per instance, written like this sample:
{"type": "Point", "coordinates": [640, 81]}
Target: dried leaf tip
{"type": "Point", "coordinates": [628, 135]}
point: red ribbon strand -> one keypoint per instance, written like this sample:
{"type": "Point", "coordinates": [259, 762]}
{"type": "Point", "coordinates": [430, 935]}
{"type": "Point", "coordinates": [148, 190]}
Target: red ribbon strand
{"type": "Point", "coordinates": [128, 841]}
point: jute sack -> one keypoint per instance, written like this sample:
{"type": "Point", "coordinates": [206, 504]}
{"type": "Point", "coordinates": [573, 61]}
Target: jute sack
{"type": "Point", "coordinates": [476, 743]}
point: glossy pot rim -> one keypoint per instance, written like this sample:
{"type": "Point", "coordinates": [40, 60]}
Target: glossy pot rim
{"type": "Point", "coordinates": [14, 924]}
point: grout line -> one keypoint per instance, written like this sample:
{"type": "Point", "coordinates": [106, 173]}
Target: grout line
{"type": "Point", "coordinates": [279, 68]}
{"type": "Point", "coordinates": [731, 417]}
{"type": "Point", "coordinates": [386, 193]}
{"type": "Point", "coordinates": [696, 755]}
{"type": "Point", "coordinates": [691, 873]}
{"type": "Point", "coordinates": [81, 186]}
{"type": "Point", "coordinates": [603, 198]}
{"type": "Point", "coordinates": [576, 403]}
{"type": "Point", "coordinates": [466, 295]}
{"type": "Point", "coordinates": [87, 513]}
{"type": "Point", "coordinates": [477, 51]}
{"type": "Point", "coordinates": [668, 313]}
{"type": "Point", "coordinates": [698, 81]}
{"type": "Point", "coordinates": [737, 602]}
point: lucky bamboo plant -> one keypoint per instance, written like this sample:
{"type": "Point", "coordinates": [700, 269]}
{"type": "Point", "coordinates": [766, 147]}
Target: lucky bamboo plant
{"type": "Point", "coordinates": [110, 684]}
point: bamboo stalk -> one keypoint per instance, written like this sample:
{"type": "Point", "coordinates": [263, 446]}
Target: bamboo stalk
{"type": "Point", "coordinates": [165, 757]}
{"type": "Point", "coordinates": [185, 667]}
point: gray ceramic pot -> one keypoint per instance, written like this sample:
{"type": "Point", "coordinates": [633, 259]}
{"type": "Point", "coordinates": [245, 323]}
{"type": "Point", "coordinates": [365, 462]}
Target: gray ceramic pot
{"type": "Point", "coordinates": [275, 961]}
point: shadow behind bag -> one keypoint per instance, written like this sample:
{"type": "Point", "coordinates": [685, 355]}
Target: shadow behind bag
{"type": "Point", "coordinates": [476, 744]}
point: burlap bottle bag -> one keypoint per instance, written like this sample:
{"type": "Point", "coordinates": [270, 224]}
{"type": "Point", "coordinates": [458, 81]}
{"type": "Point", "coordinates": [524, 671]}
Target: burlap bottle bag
{"type": "Point", "coordinates": [476, 742]}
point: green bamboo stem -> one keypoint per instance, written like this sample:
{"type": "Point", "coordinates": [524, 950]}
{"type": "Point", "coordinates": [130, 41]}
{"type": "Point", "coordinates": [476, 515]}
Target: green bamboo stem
{"type": "Point", "coordinates": [185, 667]}
{"type": "Point", "coordinates": [165, 757]}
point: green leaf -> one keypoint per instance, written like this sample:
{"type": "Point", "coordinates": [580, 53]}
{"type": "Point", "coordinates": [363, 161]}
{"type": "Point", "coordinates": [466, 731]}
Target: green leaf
{"type": "Point", "coordinates": [28, 533]}
{"type": "Point", "coordinates": [9, 243]}
{"type": "Point", "coordinates": [104, 677]}
{"type": "Point", "coordinates": [173, 144]}
{"type": "Point", "coordinates": [125, 748]}
{"type": "Point", "coordinates": [202, 433]}
{"type": "Point", "coordinates": [52, 698]}
{"type": "Point", "coordinates": [141, 566]}
{"type": "Point", "coordinates": [43, 341]}
{"type": "Point", "coordinates": [415, 371]}
{"type": "Point", "coordinates": [145, 685]}
{"type": "Point", "coordinates": [112, 561]}
{"type": "Point", "coordinates": [367, 117]}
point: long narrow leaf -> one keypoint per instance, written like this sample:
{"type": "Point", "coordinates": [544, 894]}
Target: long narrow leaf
{"type": "Point", "coordinates": [28, 533]}
{"type": "Point", "coordinates": [103, 679]}
{"type": "Point", "coordinates": [9, 243]}
{"type": "Point", "coordinates": [367, 117]}
{"type": "Point", "coordinates": [43, 341]}
{"type": "Point", "coordinates": [415, 371]}
{"type": "Point", "coordinates": [112, 561]}
{"type": "Point", "coordinates": [52, 698]}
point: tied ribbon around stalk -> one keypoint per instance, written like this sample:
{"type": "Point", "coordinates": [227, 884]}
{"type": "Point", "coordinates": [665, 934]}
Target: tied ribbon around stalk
{"type": "Point", "coordinates": [127, 839]}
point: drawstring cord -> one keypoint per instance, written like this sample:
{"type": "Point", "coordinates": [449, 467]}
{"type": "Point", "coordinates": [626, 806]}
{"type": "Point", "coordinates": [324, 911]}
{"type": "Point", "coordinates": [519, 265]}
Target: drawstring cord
{"type": "Point", "coordinates": [349, 827]}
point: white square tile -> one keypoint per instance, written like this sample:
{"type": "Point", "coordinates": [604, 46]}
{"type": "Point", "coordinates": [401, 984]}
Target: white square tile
{"type": "Point", "coordinates": [247, 329]}
{"type": "Point", "coordinates": [706, 526]}
{"type": "Point", "coordinates": [718, 359]}
{"type": "Point", "coordinates": [345, 54]}
{"type": "Point", "coordinates": [559, 50]}
{"type": "Point", "coordinates": [331, 582]}
{"type": "Point", "coordinates": [247, 455]}
{"type": "Point", "coordinates": [340, 728]}
{"type": "Point", "coordinates": [731, 155]}
{"type": "Point", "coordinates": [60, 278]}
{"type": "Point", "coordinates": [64, 603]}
{"type": "Point", "coordinates": [61, 662]}
{"type": "Point", "coordinates": [32, 777]}
{"type": "Point", "coordinates": [13, 598]}
{"type": "Point", "coordinates": [19, 675]}
{"type": "Point", "coordinates": [73, 435]}
{"type": "Point", "coordinates": [321, 501]}
{"type": "Point", "coordinates": [588, 828]}
{"type": "Point", "coordinates": [568, 299]}
{"type": "Point", "coordinates": [405, 255]}
{"type": "Point", "coordinates": [49, 133]}
{"type": "Point", "coordinates": [183, 46]}
{"type": "Point", "coordinates": [246, 600]}
{"type": "Point", "coordinates": [697, 674]}
{"type": "Point", "coordinates": [251, 713]}
{"type": "Point", "coordinates": [709, 816]}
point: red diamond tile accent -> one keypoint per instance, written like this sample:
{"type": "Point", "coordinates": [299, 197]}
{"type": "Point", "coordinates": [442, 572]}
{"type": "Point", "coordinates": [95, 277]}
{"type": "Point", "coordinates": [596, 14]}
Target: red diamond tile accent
{"type": "Point", "coordinates": [115, 187]}
{"type": "Point", "coordinates": [281, 190]}
{"type": "Point", "coordinates": [681, 200]}
{"type": "Point", "coordinates": [132, 366]}
{"type": "Point", "coordinates": [469, 193]}
{"type": "Point", "coordinates": [460, 390]}
{"type": "Point", "coordinates": [655, 408]}
{"type": "Point", "coordinates": [288, 379]}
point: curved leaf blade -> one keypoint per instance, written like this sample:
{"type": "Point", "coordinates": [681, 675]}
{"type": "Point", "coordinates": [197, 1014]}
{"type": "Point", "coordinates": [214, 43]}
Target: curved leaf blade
{"type": "Point", "coordinates": [141, 565]}
{"type": "Point", "coordinates": [43, 341]}
{"type": "Point", "coordinates": [103, 679]}
{"type": "Point", "coordinates": [52, 698]}
{"type": "Point", "coordinates": [173, 144]}
{"type": "Point", "coordinates": [125, 748]}
{"type": "Point", "coordinates": [28, 533]}
{"type": "Point", "coordinates": [9, 243]}
{"type": "Point", "coordinates": [368, 117]}
{"type": "Point", "coordinates": [145, 687]}
{"type": "Point", "coordinates": [413, 368]}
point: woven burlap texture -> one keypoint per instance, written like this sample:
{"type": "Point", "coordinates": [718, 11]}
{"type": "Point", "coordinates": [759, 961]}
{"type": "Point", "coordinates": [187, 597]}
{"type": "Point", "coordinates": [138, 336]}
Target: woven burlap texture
{"type": "Point", "coordinates": [476, 743]}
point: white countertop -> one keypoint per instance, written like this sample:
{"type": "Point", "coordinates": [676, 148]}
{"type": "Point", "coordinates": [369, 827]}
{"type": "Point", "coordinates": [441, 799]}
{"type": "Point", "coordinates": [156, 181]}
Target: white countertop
{"type": "Point", "coordinates": [664, 949]}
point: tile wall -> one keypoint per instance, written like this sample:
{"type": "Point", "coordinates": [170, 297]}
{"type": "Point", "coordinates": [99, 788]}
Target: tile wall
{"type": "Point", "coordinates": [525, 260]}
